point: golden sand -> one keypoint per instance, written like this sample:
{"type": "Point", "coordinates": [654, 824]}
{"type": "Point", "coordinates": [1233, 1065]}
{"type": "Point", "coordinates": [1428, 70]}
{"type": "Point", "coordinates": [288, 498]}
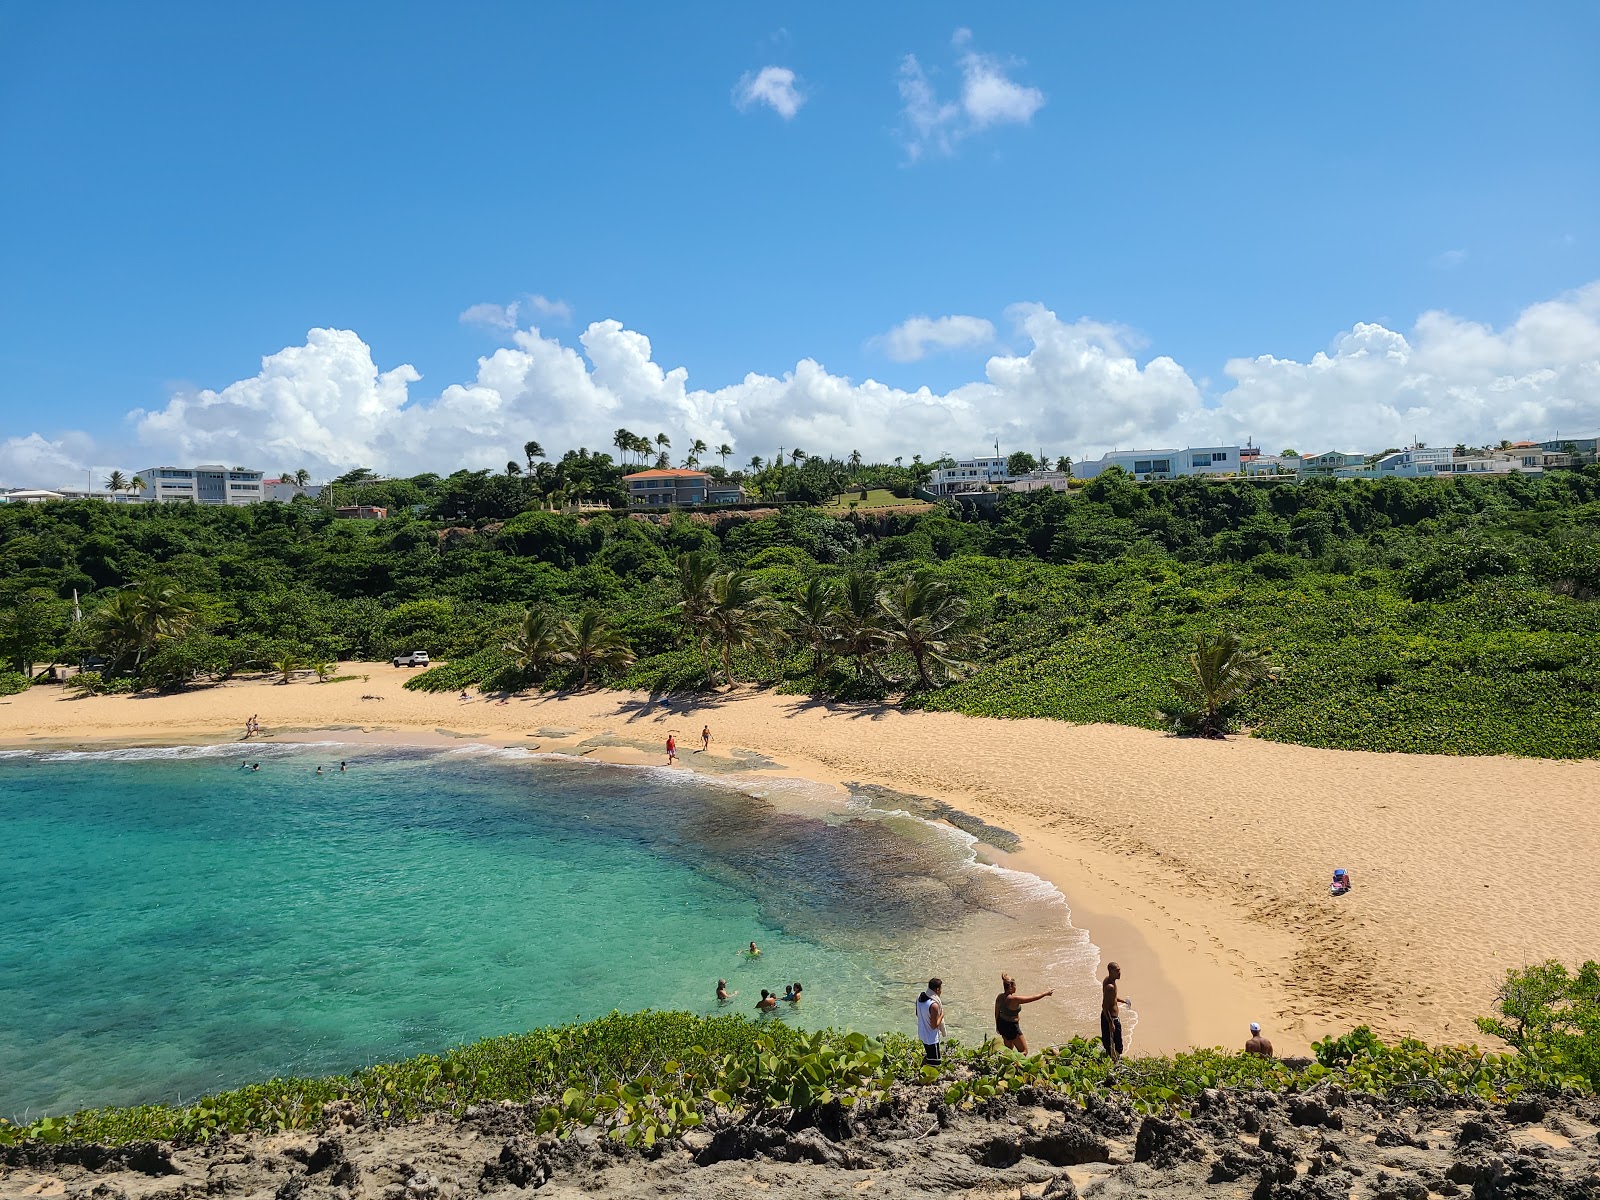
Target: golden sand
{"type": "Point", "coordinates": [1202, 867]}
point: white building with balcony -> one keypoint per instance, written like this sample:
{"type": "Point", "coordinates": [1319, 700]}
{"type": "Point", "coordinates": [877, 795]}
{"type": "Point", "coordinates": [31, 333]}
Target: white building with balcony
{"type": "Point", "coordinates": [1165, 464]}
{"type": "Point", "coordinates": [203, 485]}
{"type": "Point", "coordinates": [968, 475]}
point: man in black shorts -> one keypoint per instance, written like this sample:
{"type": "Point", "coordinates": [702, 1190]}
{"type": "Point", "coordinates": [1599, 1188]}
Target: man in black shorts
{"type": "Point", "coordinates": [1110, 1022]}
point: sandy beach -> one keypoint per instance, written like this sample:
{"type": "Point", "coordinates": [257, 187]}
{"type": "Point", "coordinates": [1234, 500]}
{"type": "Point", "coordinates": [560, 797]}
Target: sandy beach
{"type": "Point", "coordinates": [1201, 867]}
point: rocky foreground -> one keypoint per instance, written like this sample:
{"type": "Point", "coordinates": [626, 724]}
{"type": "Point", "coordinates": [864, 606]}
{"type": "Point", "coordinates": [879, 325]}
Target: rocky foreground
{"type": "Point", "coordinates": [1313, 1146]}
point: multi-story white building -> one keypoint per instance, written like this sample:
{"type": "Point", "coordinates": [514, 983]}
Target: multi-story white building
{"type": "Point", "coordinates": [287, 489]}
{"type": "Point", "coordinates": [968, 475]}
{"type": "Point", "coordinates": [1414, 461]}
{"type": "Point", "coordinates": [203, 485]}
{"type": "Point", "coordinates": [1165, 464]}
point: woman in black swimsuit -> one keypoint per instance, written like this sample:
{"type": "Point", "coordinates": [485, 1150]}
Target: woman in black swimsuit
{"type": "Point", "coordinates": [1008, 1013]}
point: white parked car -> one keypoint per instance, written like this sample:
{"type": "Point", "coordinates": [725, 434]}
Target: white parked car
{"type": "Point", "coordinates": [417, 658]}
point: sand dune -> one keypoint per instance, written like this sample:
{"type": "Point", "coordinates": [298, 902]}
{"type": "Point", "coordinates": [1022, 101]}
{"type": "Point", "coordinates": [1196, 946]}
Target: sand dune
{"type": "Point", "coordinates": [1201, 866]}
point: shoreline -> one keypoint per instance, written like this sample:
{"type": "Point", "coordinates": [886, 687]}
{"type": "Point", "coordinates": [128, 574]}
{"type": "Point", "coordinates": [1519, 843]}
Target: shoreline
{"type": "Point", "coordinates": [1198, 866]}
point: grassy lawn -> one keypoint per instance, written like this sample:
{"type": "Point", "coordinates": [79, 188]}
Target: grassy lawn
{"type": "Point", "coordinates": [876, 498]}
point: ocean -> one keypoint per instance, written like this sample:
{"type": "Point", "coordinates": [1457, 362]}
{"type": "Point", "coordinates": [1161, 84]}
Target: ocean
{"type": "Point", "coordinates": [172, 924]}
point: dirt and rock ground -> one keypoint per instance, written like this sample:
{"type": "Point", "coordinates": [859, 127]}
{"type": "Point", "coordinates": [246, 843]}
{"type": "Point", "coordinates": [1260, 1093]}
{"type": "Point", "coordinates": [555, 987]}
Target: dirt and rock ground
{"type": "Point", "coordinates": [1316, 1146]}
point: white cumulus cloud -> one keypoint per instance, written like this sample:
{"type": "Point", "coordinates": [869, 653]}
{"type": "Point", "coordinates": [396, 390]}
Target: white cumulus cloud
{"type": "Point", "coordinates": [1079, 387]}
{"type": "Point", "coordinates": [776, 87]}
{"type": "Point", "coordinates": [988, 96]}
{"type": "Point", "coordinates": [504, 316]}
{"type": "Point", "coordinates": [916, 337]}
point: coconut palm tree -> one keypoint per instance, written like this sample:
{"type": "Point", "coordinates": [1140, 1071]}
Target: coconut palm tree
{"type": "Point", "coordinates": [815, 622]}
{"type": "Point", "coordinates": [742, 617]}
{"type": "Point", "coordinates": [663, 443]}
{"type": "Point", "coordinates": [512, 470]}
{"type": "Point", "coordinates": [695, 451]}
{"type": "Point", "coordinates": [858, 631]}
{"type": "Point", "coordinates": [696, 570]}
{"type": "Point", "coordinates": [925, 619]}
{"type": "Point", "coordinates": [723, 451]}
{"type": "Point", "coordinates": [531, 451]}
{"type": "Point", "coordinates": [537, 642]}
{"type": "Point", "coordinates": [624, 440]}
{"type": "Point", "coordinates": [118, 628]}
{"type": "Point", "coordinates": [590, 642]}
{"type": "Point", "coordinates": [287, 664]}
{"type": "Point", "coordinates": [755, 463]}
{"type": "Point", "coordinates": [301, 478]}
{"type": "Point", "coordinates": [855, 460]}
{"type": "Point", "coordinates": [137, 618]}
{"type": "Point", "coordinates": [663, 463]}
{"type": "Point", "coordinates": [116, 483]}
{"type": "Point", "coordinates": [797, 456]}
{"type": "Point", "coordinates": [1221, 670]}
{"type": "Point", "coordinates": [137, 484]}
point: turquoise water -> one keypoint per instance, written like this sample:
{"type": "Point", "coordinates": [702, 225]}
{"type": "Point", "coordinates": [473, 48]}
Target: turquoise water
{"type": "Point", "coordinates": [171, 924]}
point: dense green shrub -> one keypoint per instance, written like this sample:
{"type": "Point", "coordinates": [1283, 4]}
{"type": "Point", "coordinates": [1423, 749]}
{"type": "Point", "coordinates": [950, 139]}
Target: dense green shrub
{"type": "Point", "coordinates": [12, 682]}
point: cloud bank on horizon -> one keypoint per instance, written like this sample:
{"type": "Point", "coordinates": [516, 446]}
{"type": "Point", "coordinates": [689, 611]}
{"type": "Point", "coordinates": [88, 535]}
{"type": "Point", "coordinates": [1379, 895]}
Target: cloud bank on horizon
{"type": "Point", "coordinates": [1077, 389]}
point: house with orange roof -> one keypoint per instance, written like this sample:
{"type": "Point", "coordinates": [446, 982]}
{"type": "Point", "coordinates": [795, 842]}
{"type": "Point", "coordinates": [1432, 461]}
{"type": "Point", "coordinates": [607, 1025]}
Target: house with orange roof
{"type": "Point", "coordinates": [678, 485]}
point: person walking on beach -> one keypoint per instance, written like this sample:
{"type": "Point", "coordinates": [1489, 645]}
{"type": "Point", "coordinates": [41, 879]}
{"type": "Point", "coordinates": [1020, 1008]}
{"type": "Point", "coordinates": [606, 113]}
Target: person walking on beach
{"type": "Point", "coordinates": [672, 749]}
{"type": "Point", "coordinates": [1257, 1044]}
{"type": "Point", "coordinates": [930, 1020]}
{"type": "Point", "coordinates": [705, 738]}
{"type": "Point", "coordinates": [1008, 1013]}
{"type": "Point", "coordinates": [1110, 1020]}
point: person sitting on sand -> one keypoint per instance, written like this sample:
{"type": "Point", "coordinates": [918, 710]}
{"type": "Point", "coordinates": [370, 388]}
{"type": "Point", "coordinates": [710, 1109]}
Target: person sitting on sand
{"type": "Point", "coordinates": [723, 994]}
{"type": "Point", "coordinates": [1008, 1013]}
{"type": "Point", "coordinates": [1341, 882]}
{"type": "Point", "coordinates": [754, 951]}
{"type": "Point", "coordinates": [768, 1001]}
{"type": "Point", "coordinates": [1257, 1044]}
{"type": "Point", "coordinates": [464, 696]}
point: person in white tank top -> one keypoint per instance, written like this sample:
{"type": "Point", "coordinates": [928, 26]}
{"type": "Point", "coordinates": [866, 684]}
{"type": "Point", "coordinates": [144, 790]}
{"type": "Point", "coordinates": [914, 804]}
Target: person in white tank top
{"type": "Point", "coordinates": [930, 1020]}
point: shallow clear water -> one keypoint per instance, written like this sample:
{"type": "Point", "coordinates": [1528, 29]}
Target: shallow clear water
{"type": "Point", "coordinates": [171, 924]}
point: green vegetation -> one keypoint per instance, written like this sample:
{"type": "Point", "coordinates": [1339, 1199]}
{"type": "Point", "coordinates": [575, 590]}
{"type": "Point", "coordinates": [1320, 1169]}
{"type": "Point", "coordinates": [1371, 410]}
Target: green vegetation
{"type": "Point", "coordinates": [1552, 1015]}
{"type": "Point", "coordinates": [1447, 616]}
{"type": "Point", "coordinates": [648, 1076]}
{"type": "Point", "coordinates": [865, 497]}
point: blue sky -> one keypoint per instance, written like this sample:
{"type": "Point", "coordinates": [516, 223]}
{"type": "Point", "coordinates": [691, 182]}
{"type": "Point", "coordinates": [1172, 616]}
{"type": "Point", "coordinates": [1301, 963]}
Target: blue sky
{"type": "Point", "coordinates": [191, 187]}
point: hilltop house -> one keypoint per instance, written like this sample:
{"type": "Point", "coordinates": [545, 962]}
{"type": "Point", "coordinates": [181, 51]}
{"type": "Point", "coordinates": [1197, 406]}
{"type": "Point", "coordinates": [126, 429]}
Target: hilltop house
{"type": "Point", "coordinates": [678, 485]}
{"type": "Point", "coordinates": [202, 485]}
{"type": "Point", "coordinates": [1335, 464]}
{"type": "Point", "coordinates": [1164, 464]}
{"type": "Point", "coordinates": [968, 475]}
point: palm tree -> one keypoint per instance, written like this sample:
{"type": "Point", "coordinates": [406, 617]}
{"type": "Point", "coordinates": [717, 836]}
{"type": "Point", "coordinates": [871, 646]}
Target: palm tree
{"type": "Point", "coordinates": [137, 618]}
{"type": "Point", "coordinates": [287, 664]}
{"type": "Point", "coordinates": [755, 462]}
{"type": "Point", "coordinates": [641, 447]}
{"type": "Point", "coordinates": [663, 463]}
{"type": "Point", "coordinates": [531, 451]}
{"type": "Point", "coordinates": [1221, 670]}
{"type": "Point", "coordinates": [742, 617]}
{"type": "Point", "coordinates": [137, 484]}
{"type": "Point", "coordinates": [816, 623]}
{"type": "Point", "coordinates": [590, 642]}
{"type": "Point", "coordinates": [301, 478]}
{"type": "Point", "coordinates": [858, 632]}
{"type": "Point", "coordinates": [537, 642]}
{"type": "Point", "coordinates": [797, 455]}
{"type": "Point", "coordinates": [722, 452]}
{"type": "Point", "coordinates": [925, 619]}
{"type": "Point", "coordinates": [512, 470]}
{"type": "Point", "coordinates": [695, 451]}
{"type": "Point", "coordinates": [623, 440]}
{"type": "Point", "coordinates": [855, 460]}
{"type": "Point", "coordinates": [663, 443]}
{"type": "Point", "coordinates": [696, 570]}
{"type": "Point", "coordinates": [116, 483]}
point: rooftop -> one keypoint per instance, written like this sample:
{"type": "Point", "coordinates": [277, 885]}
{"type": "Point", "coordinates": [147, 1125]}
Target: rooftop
{"type": "Point", "coordinates": [668, 473]}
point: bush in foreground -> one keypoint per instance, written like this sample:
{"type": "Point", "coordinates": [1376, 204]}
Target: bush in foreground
{"type": "Point", "coordinates": [649, 1076]}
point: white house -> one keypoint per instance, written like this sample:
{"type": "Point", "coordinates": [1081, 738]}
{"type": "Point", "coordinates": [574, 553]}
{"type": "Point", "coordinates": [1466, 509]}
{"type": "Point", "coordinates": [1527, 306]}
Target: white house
{"type": "Point", "coordinates": [968, 475]}
{"type": "Point", "coordinates": [1271, 464]}
{"type": "Point", "coordinates": [29, 496]}
{"type": "Point", "coordinates": [1414, 461]}
{"type": "Point", "coordinates": [287, 489]}
{"type": "Point", "coordinates": [1165, 464]}
{"type": "Point", "coordinates": [203, 485]}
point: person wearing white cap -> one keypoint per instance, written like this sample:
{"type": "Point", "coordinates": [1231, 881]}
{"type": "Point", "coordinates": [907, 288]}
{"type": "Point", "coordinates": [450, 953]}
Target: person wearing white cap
{"type": "Point", "coordinates": [1258, 1044]}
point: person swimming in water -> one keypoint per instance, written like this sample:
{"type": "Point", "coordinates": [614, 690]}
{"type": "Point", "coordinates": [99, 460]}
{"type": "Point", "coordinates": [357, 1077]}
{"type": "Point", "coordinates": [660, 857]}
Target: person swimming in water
{"type": "Point", "coordinates": [1008, 1013]}
{"type": "Point", "coordinates": [754, 951]}
{"type": "Point", "coordinates": [768, 1001]}
{"type": "Point", "coordinates": [723, 994]}
{"type": "Point", "coordinates": [794, 997]}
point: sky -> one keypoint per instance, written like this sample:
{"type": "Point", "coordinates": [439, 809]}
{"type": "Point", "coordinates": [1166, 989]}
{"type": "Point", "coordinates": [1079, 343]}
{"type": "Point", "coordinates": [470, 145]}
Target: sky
{"type": "Point", "coordinates": [412, 237]}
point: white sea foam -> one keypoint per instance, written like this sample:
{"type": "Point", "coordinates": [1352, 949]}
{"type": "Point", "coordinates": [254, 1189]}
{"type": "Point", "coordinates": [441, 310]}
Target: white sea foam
{"type": "Point", "coordinates": [256, 750]}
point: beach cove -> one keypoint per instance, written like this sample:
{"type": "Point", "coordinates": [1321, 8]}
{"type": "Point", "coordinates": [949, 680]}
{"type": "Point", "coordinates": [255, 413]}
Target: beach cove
{"type": "Point", "coordinates": [1200, 866]}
